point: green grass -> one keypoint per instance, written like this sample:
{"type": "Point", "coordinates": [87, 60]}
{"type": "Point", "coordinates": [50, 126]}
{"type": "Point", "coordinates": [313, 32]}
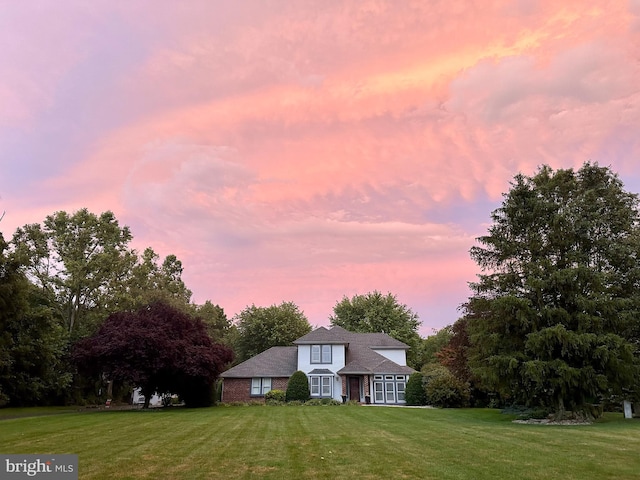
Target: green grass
{"type": "Point", "coordinates": [326, 442]}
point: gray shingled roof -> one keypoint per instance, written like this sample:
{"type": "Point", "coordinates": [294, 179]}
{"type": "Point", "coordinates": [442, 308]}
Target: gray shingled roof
{"type": "Point", "coordinates": [320, 371]}
{"type": "Point", "coordinates": [338, 335]}
{"type": "Point", "coordinates": [361, 358]}
{"type": "Point", "coordinates": [275, 362]}
{"type": "Point", "coordinates": [323, 335]}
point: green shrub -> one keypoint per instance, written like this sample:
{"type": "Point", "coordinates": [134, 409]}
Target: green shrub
{"type": "Point", "coordinates": [414, 392]}
{"type": "Point", "coordinates": [538, 413]}
{"type": "Point", "coordinates": [432, 370]}
{"type": "Point", "coordinates": [447, 391]}
{"type": "Point", "coordinates": [275, 397]}
{"type": "Point", "coordinates": [320, 402]}
{"type": "Point", "coordinates": [294, 403]}
{"type": "Point", "coordinates": [298, 387]}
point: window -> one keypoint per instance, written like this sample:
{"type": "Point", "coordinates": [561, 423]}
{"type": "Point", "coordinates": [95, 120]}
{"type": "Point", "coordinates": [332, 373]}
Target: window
{"type": "Point", "coordinates": [260, 386]}
{"type": "Point", "coordinates": [378, 395]}
{"type": "Point", "coordinates": [400, 386]}
{"type": "Point", "coordinates": [321, 385]}
{"type": "Point", "coordinates": [315, 386]}
{"type": "Point", "coordinates": [320, 353]}
{"type": "Point", "coordinates": [389, 388]}
{"type": "Point", "coordinates": [390, 393]}
{"type": "Point", "coordinates": [326, 386]}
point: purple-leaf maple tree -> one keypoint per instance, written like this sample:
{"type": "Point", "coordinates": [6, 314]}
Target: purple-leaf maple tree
{"type": "Point", "coordinates": [157, 348]}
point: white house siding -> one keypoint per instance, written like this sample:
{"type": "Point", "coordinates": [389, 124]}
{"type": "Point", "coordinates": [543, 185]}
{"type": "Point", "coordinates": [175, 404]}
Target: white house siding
{"type": "Point", "coordinates": [304, 359]}
{"type": "Point", "coordinates": [397, 356]}
{"type": "Point", "coordinates": [337, 362]}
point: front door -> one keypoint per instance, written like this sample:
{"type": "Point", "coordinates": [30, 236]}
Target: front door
{"type": "Point", "coordinates": [354, 388]}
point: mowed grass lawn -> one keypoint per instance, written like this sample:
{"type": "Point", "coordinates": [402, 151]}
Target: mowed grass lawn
{"type": "Point", "coordinates": [325, 442]}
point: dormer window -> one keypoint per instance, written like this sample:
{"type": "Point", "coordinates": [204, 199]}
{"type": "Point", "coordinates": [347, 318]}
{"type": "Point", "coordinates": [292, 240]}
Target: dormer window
{"type": "Point", "coordinates": [320, 353]}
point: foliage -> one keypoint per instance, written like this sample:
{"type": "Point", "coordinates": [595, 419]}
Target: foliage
{"type": "Point", "coordinates": [322, 402]}
{"type": "Point", "coordinates": [260, 328]}
{"type": "Point", "coordinates": [215, 320]}
{"type": "Point", "coordinates": [431, 346]}
{"type": "Point", "coordinates": [83, 263]}
{"type": "Point", "coordinates": [442, 388]}
{"type": "Point", "coordinates": [150, 281]}
{"type": "Point", "coordinates": [447, 391]}
{"type": "Point", "coordinates": [414, 391]}
{"type": "Point", "coordinates": [554, 316]}
{"type": "Point", "coordinates": [32, 344]}
{"type": "Point", "coordinates": [159, 348]}
{"type": "Point", "coordinates": [298, 387]}
{"type": "Point", "coordinates": [454, 355]}
{"type": "Point", "coordinates": [374, 312]}
{"type": "Point", "coordinates": [77, 261]}
{"type": "Point", "coordinates": [277, 396]}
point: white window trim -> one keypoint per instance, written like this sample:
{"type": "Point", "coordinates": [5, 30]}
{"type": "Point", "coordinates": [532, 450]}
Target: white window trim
{"type": "Point", "coordinates": [318, 354]}
{"type": "Point", "coordinates": [317, 385]}
{"type": "Point", "coordinates": [260, 386]}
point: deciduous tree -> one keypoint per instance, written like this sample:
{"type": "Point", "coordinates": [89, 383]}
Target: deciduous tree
{"type": "Point", "coordinates": [158, 348]}
{"type": "Point", "coordinates": [32, 343]}
{"type": "Point", "coordinates": [431, 346]}
{"type": "Point", "coordinates": [375, 312]}
{"type": "Point", "coordinates": [551, 314]}
{"type": "Point", "coordinates": [76, 260]}
{"type": "Point", "coordinates": [216, 321]}
{"type": "Point", "coordinates": [84, 264]}
{"type": "Point", "coordinates": [260, 328]}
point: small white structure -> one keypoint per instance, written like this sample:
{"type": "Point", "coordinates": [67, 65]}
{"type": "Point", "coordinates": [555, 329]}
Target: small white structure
{"type": "Point", "coordinates": [628, 411]}
{"type": "Point", "coordinates": [138, 398]}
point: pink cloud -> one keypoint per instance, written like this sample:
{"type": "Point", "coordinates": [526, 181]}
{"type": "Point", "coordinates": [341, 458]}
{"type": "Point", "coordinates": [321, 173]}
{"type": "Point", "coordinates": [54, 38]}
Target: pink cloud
{"type": "Point", "coordinates": [303, 151]}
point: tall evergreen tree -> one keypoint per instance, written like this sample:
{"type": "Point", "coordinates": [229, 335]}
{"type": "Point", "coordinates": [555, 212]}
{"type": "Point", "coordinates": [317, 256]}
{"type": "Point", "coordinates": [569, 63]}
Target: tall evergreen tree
{"type": "Point", "coordinates": [552, 316]}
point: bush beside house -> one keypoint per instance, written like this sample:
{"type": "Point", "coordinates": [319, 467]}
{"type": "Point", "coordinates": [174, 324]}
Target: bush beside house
{"type": "Point", "coordinates": [415, 393]}
{"type": "Point", "coordinates": [298, 387]}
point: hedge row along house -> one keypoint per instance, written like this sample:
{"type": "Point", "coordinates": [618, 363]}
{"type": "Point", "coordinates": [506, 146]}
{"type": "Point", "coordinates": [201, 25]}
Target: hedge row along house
{"type": "Point", "coordinates": [343, 365]}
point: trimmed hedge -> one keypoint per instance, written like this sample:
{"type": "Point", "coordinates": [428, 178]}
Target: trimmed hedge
{"type": "Point", "coordinates": [298, 387]}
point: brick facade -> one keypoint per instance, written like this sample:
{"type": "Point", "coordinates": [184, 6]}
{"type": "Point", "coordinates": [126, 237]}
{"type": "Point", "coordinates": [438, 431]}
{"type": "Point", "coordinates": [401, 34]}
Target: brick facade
{"type": "Point", "coordinates": [239, 389]}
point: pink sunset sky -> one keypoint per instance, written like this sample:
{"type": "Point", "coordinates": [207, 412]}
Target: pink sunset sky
{"type": "Point", "coordinates": [307, 150]}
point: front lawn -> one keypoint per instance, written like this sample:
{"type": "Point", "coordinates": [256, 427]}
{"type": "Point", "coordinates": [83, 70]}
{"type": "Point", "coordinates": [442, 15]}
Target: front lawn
{"type": "Point", "coordinates": [326, 442]}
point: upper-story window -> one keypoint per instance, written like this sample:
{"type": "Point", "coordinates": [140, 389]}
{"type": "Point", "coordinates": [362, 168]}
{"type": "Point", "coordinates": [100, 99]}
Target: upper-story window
{"type": "Point", "coordinates": [320, 353]}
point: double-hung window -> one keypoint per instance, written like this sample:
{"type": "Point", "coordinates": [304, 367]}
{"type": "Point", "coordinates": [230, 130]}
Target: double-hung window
{"type": "Point", "coordinates": [321, 386]}
{"type": "Point", "coordinates": [320, 353]}
{"type": "Point", "coordinates": [260, 386]}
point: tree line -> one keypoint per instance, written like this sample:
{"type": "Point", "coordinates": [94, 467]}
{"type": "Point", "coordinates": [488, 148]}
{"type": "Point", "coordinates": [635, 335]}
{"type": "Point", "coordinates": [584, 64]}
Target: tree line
{"type": "Point", "coordinates": [553, 321]}
{"type": "Point", "coordinates": [84, 316]}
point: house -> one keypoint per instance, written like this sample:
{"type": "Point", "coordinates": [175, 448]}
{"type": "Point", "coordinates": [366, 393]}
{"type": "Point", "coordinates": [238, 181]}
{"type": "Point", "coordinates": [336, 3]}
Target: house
{"type": "Point", "coordinates": [343, 365]}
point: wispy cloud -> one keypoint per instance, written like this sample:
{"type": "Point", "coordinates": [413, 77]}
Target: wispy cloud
{"type": "Point", "coordinates": [303, 151]}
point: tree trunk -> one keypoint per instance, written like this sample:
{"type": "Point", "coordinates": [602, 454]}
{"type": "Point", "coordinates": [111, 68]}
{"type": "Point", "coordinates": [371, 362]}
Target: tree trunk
{"type": "Point", "coordinates": [147, 392]}
{"type": "Point", "coordinates": [561, 413]}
